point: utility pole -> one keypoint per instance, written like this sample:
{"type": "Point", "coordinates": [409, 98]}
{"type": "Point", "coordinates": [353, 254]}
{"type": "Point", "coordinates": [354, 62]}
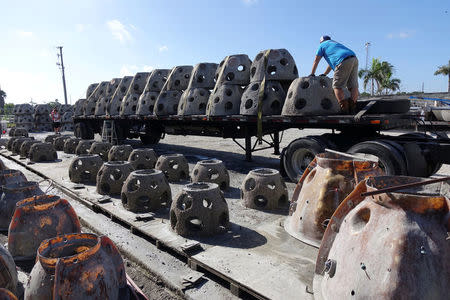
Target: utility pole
{"type": "Point", "coordinates": [61, 65]}
{"type": "Point", "coordinates": [367, 45]}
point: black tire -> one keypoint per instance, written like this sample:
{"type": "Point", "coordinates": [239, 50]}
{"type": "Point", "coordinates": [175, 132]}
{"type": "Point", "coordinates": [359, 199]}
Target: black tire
{"type": "Point", "coordinates": [152, 136]}
{"type": "Point", "coordinates": [83, 131]}
{"type": "Point", "coordinates": [298, 154]}
{"type": "Point", "coordinates": [432, 165]}
{"type": "Point", "coordinates": [385, 106]}
{"type": "Point", "coordinates": [391, 161]}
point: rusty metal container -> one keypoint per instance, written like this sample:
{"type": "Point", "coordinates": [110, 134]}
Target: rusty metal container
{"type": "Point", "coordinates": [387, 246]}
{"type": "Point", "coordinates": [10, 176]}
{"type": "Point", "coordinates": [8, 272]}
{"type": "Point", "coordinates": [36, 219]}
{"type": "Point", "coordinates": [13, 193]}
{"type": "Point", "coordinates": [7, 295]}
{"type": "Point", "coordinates": [325, 183]}
{"type": "Point", "coordinates": [77, 266]}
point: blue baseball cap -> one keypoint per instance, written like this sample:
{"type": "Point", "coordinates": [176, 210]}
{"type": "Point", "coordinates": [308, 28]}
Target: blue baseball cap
{"type": "Point", "coordinates": [324, 38]}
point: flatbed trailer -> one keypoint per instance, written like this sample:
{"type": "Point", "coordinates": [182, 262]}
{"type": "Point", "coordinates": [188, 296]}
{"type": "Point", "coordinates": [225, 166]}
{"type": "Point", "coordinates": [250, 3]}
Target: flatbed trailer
{"type": "Point", "coordinates": [414, 153]}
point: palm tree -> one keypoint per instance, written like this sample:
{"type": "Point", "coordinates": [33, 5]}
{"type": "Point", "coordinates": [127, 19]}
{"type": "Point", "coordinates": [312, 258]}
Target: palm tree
{"type": "Point", "coordinates": [391, 84]}
{"type": "Point", "coordinates": [444, 70]}
{"type": "Point", "coordinates": [374, 73]}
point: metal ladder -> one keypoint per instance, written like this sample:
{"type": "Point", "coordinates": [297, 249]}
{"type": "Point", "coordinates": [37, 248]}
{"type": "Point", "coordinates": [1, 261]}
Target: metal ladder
{"type": "Point", "coordinates": [109, 133]}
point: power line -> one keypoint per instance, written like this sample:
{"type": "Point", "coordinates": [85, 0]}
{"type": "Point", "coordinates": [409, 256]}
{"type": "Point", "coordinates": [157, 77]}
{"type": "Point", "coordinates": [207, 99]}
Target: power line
{"type": "Point", "coordinates": [60, 63]}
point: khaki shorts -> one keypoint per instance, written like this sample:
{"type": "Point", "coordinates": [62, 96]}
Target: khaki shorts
{"type": "Point", "coordinates": [346, 74]}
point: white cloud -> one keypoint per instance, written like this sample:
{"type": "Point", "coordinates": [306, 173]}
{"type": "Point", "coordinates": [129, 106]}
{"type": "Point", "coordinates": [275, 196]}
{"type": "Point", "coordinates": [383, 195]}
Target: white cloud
{"type": "Point", "coordinates": [250, 2]}
{"type": "Point", "coordinates": [44, 53]}
{"type": "Point", "coordinates": [163, 48]}
{"type": "Point", "coordinates": [40, 86]}
{"type": "Point", "coordinates": [24, 34]}
{"type": "Point", "coordinates": [148, 68]}
{"type": "Point", "coordinates": [128, 70]}
{"type": "Point", "coordinates": [131, 70]}
{"type": "Point", "coordinates": [400, 35]}
{"type": "Point", "coordinates": [119, 31]}
{"type": "Point", "coordinates": [133, 27]}
{"type": "Point", "coordinates": [82, 27]}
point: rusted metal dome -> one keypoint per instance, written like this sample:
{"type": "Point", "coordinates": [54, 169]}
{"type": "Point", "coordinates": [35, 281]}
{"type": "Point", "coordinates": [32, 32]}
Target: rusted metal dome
{"type": "Point", "coordinates": [387, 246]}
{"type": "Point", "coordinates": [325, 183]}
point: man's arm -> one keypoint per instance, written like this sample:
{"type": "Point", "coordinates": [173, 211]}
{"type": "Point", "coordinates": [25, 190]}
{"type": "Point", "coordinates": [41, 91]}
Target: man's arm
{"type": "Point", "coordinates": [316, 62]}
{"type": "Point", "coordinates": [328, 70]}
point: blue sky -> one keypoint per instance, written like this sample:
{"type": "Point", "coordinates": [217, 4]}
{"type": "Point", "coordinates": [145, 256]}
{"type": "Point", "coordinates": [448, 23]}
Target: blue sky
{"type": "Point", "coordinates": [104, 39]}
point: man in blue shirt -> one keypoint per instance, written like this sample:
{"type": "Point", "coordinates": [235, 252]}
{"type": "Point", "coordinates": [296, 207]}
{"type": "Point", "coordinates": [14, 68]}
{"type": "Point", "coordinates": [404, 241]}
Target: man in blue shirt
{"type": "Point", "coordinates": [345, 65]}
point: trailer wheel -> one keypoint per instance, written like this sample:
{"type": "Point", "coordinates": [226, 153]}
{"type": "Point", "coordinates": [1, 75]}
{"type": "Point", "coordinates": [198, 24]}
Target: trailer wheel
{"type": "Point", "coordinates": [390, 159]}
{"type": "Point", "coordinates": [83, 131]}
{"type": "Point", "coordinates": [432, 165]}
{"type": "Point", "coordinates": [296, 157]}
{"type": "Point", "coordinates": [151, 136]}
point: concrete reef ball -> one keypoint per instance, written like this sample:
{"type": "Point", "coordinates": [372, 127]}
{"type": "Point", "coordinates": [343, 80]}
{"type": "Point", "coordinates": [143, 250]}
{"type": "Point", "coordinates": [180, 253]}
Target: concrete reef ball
{"type": "Point", "coordinates": [42, 152]}
{"type": "Point", "coordinates": [20, 132]}
{"type": "Point", "coordinates": [101, 148]}
{"type": "Point", "coordinates": [113, 106]}
{"type": "Point", "coordinates": [84, 168]}
{"type": "Point", "coordinates": [51, 138]}
{"type": "Point", "coordinates": [179, 77]}
{"type": "Point", "coordinates": [225, 100]}
{"type": "Point", "coordinates": [119, 152]}
{"type": "Point", "coordinates": [59, 142]}
{"type": "Point", "coordinates": [174, 166]}
{"type": "Point", "coordinates": [203, 76]}
{"type": "Point", "coordinates": [272, 102]}
{"type": "Point", "coordinates": [111, 177]}
{"type": "Point", "coordinates": [83, 147]}
{"type": "Point", "coordinates": [200, 209]}
{"type": "Point", "coordinates": [212, 170]}
{"type": "Point", "coordinates": [143, 159]}
{"type": "Point", "coordinates": [234, 69]}
{"type": "Point", "coordinates": [167, 103]}
{"type": "Point", "coordinates": [311, 96]}
{"type": "Point", "coordinates": [146, 191]}
{"type": "Point", "coordinates": [15, 148]}
{"type": "Point", "coordinates": [280, 66]}
{"type": "Point", "coordinates": [264, 189]}
{"type": "Point", "coordinates": [193, 101]}
{"type": "Point", "coordinates": [146, 103]}
{"type": "Point", "coordinates": [11, 140]}
{"type": "Point", "coordinates": [71, 145]}
{"type": "Point", "coordinates": [25, 148]}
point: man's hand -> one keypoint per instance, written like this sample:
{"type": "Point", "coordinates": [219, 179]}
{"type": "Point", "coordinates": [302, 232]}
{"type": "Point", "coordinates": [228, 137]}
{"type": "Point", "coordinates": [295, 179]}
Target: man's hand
{"type": "Point", "coordinates": [311, 75]}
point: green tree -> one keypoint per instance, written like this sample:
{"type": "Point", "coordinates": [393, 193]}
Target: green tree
{"type": "Point", "coordinates": [2, 100]}
{"type": "Point", "coordinates": [373, 74]}
{"type": "Point", "coordinates": [9, 107]}
{"type": "Point", "coordinates": [444, 70]}
{"type": "Point", "coordinates": [380, 73]}
{"type": "Point", "coordinates": [391, 84]}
